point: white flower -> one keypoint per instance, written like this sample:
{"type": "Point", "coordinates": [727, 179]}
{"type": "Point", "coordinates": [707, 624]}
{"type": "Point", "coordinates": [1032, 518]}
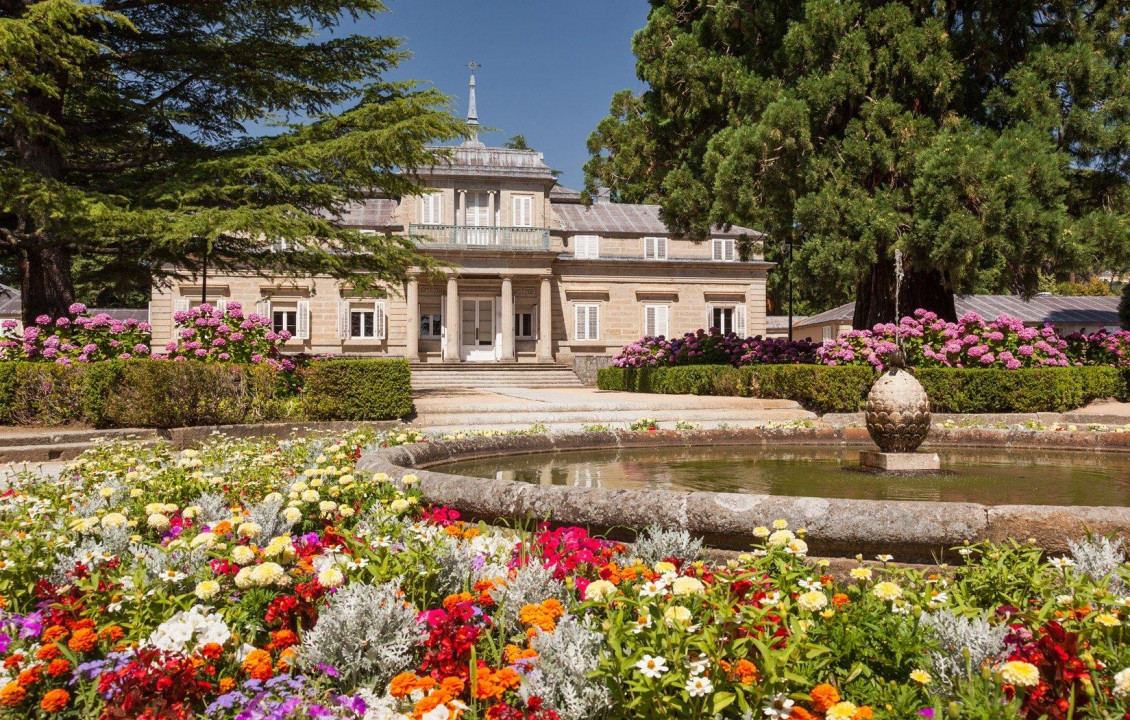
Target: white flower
{"type": "Point", "coordinates": [884, 558]}
{"type": "Point", "coordinates": [207, 589]}
{"type": "Point", "coordinates": [241, 554]}
{"type": "Point", "coordinates": [652, 588]}
{"type": "Point", "coordinates": [158, 522]}
{"type": "Point", "coordinates": [643, 622]}
{"type": "Point", "coordinates": [777, 707]}
{"type": "Point", "coordinates": [771, 599]}
{"type": "Point", "coordinates": [331, 577]}
{"type": "Point", "coordinates": [812, 600]}
{"type": "Point", "coordinates": [206, 539]}
{"type": "Point", "coordinates": [698, 666]}
{"type": "Point", "coordinates": [761, 531]}
{"type": "Point", "coordinates": [600, 590]}
{"type": "Point", "coordinates": [652, 667]}
{"type": "Point", "coordinates": [887, 590]}
{"type": "Point", "coordinates": [810, 584]}
{"type": "Point", "coordinates": [292, 514]}
{"type": "Point", "coordinates": [861, 573]}
{"type": "Point", "coordinates": [248, 530]}
{"type": "Point", "coordinates": [797, 547]}
{"type": "Point", "coordinates": [173, 576]}
{"type": "Point", "coordinates": [780, 524]}
{"type": "Point", "coordinates": [1122, 683]}
{"type": "Point", "coordinates": [399, 505]}
{"type": "Point", "coordinates": [688, 586]}
{"type": "Point", "coordinates": [243, 578]}
{"type": "Point", "coordinates": [677, 616]}
{"type": "Point", "coordinates": [1064, 599]}
{"type": "Point", "coordinates": [698, 686]}
{"type": "Point", "coordinates": [780, 538]}
{"type": "Point", "coordinates": [1061, 563]}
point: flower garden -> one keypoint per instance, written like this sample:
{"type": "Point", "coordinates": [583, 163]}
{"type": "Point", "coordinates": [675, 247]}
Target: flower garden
{"type": "Point", "coordinates": [272, 579]}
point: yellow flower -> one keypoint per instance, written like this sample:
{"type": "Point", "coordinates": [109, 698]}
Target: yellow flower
{"type": "Point", "coordinates": [921, 677]}
{"type": "Point", "coordinates": [1017, 672]}
{"type": "Point", "coordinates": [761, 531]}
{"type": "Point", "coordinates": [268, 573]}
{"type": "Point", "coordinates": [241, 554]}
{"type": "Point", "coordinates": [206, 539]}
{"type": "Point", "coordinates": [664, 567]}
{"type": "Point", "coordinates": [409, 480]}
{"type": "Point", "coordinates": [243, 578]}
{"type": "Point", "coordinates": [812, 600]}
{"type": "Point", "coordinates": [1107, 620]}
{"type": "Point", "coordinates": [113, 520]}
{"type": "Point", "coordinates": [677, 615]}
{"type": "Point", "coordinates": [781, 537]}
{"type": "Point", "coordinates": [249, 530]}
{"type": "Point", "coordinates": [399, 505]}
{"type": "Point", "coordinates": [207, 589]}
{"type": "Point", "coordinates": [331, 577]}
{"type": "Point", "coordinates": [600, 590]}
{"type": "Point", "coordinates": [861, 573]}
{"type": "Point", "coordinates": [841, 711]}
{"type": "Point", "coordinates": [292, 514]}
{"type": "Point", "coordinates": [887, 590]}
{"type": "Point", "coordinates": [780, 524]}
{"type": "Point", "coordinates": [687, 586]}
{"type": "Point", "coordinates": [158, 522]}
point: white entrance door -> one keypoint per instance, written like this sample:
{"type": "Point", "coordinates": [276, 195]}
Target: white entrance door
{"type": "Point", "coordinates": [478, 218]}
{"type": "Point", "coordinates": [477, 329]}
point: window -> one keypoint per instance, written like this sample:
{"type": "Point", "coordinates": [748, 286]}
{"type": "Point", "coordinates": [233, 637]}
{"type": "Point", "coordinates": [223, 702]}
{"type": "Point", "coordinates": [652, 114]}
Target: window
{"type": "Point", "coordinates": [523, 210]}
{"type": "Point", "coordinates": [586, 246]}
{"type": "Point", "coordinates": [361, 320]}
{"type": "Point", "coordinates": [431, 208]}
{"type": "Point", "coordinates": [826, 332]}
{"type": "Point", "coordinates": [724, 250]}
{"type": "Point", "coordinates": [285, 320]}
{"type": "Point", "coordinates": [524, 325]}
{"type": "Point", "coordinates": [654, 248]}
{"type": "Point", "coordinates": [587, 323]}
{"type": "Point", "coordinates": [431, 325]}
{"type": "Point", "coordinates": [362, 324]}
{"type": "Point", "coordinates": [727, 318]}
{"type": "Point", "coordinates": [655, 320]}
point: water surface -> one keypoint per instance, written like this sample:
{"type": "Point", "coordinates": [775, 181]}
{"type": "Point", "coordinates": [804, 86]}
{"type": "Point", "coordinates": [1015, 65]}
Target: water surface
{"type": "Point", "coordinates": [990, 477]}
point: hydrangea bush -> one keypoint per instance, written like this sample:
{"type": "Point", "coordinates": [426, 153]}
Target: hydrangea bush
{"type": "Point", "coordinates": [225, 334]}
{"type": "Point", "coordinates": [78, 337]}
{"type": "Point", "coordinates": [712, 347]}
{"type": "Point", "coordinates": [273, 579]}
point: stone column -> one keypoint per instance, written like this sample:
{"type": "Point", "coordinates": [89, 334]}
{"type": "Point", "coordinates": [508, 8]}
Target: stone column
{"type": "Point", "coordinates": [412, 297]}
{"type": "Point", "coordinates": [507, 312]}
{"type": "Point", "coordinates": [494, 239]}
{"type": "Point", "coordinates": [451, 319]}
{"type": "Point", "coordinates": [545, 322]}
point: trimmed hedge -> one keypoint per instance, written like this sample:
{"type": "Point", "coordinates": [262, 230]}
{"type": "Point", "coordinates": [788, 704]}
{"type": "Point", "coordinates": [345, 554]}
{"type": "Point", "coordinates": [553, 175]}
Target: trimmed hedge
{"type": "Point", "coordinates": [820, 388]}
{"type": "Point", "coordinates": [357, 390]}
{"type": "Point", "coordinates": [138, 393]}
{"type": "Point", "coordinates": [825, 389]}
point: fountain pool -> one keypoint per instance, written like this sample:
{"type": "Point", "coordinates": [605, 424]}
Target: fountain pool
{"type": "Point", "coordinates": [984, 476]}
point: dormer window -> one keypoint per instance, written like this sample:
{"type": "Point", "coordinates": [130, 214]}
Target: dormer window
{"type": "Point", "coordinates": [655, 248]}
{"type": "Point", "coordinates": [724, 250]}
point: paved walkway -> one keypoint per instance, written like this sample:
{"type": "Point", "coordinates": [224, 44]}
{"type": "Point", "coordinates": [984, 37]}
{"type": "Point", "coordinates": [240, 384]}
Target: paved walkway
{"type": "Point", "coordinates": [566, 409]}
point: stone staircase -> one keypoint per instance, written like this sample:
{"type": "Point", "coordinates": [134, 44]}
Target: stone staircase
{"type": "Point", "coordinates": [50, 445]}
{"type": "Point", "coordinates": [435, 376]}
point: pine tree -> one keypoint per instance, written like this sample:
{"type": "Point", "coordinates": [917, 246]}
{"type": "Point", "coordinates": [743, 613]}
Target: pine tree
{"type": "Point", "coordinates": [984, 139]}
{"type": "Point", "coordinates": [126, 141]}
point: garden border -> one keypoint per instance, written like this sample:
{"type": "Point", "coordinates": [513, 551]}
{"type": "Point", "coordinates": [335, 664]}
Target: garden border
{"type": "Point", "coordinates": [909, 530]}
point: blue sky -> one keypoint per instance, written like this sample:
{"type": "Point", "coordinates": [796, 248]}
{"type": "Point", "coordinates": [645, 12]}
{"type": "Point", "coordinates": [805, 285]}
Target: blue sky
{"type": "Point", "coordinates": [549, 68]}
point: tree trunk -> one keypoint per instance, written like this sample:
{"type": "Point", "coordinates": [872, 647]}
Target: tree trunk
{"type": "Point", "coordinates": [875, 296]}
{"type": "Point", "coordinates": [45, 282]}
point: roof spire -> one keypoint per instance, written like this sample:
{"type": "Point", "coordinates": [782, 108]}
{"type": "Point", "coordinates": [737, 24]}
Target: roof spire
{"type": "Point", "coordinates": [472, 110]}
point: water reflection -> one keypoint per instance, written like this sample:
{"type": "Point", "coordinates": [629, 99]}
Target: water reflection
{"type": "Point", "coordinates": [995, 476]}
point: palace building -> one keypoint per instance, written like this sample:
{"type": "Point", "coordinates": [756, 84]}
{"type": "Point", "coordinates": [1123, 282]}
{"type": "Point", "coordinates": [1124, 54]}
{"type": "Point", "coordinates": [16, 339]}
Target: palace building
{"type": "Point", "coordinates": [534, 275]}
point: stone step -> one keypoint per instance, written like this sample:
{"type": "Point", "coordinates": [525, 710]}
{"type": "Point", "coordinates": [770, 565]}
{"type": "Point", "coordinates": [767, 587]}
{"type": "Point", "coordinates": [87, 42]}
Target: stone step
{"type": "Point", "coordinates": [53, 436]}
{"type": "Point", "coordinates": [41, 453]}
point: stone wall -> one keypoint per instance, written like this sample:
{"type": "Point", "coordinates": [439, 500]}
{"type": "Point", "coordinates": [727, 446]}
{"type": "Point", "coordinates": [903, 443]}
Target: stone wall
{"type": "Point", "coordinates": [587, 366]}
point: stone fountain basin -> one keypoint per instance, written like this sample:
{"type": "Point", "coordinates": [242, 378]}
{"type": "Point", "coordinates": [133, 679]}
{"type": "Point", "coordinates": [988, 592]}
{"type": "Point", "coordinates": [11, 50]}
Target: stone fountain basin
{"type": "Point", "coordinates": [912, 531]}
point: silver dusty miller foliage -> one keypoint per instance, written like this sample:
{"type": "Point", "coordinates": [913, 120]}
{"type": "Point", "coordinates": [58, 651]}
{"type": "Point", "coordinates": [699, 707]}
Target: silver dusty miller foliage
{"type": "Point", "coordinates": [529, 585]}
{"type": "Point", "coordinates": [1099, 558]}
{"type": "Point", "coordinates": [656, 544]}
{"type": "Point", "coordinates": [566, 658]}
{"type": "Point", "coordinates": [964, 644]}
{"type": "Point", "coordinates": [366, 632]}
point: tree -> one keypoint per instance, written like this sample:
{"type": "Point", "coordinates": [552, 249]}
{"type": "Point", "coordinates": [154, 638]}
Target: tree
{"type": "Point", "coordinates": [518, 142]}
{"type": "Point", "coordinates": [985, 141]}
{"type": "Point", "coordinates": [1124, 307]}
{"type": "Point", "coordinates": [125, 144]}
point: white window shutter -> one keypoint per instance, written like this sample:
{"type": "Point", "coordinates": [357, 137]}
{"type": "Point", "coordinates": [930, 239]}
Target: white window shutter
{"type": "Point", "coordinates": [717, 246]}
{"type": "Point", "coordinates": [343, 319]}
{"type": "Point", "coordinates": [381, 320]}
{"type": "Point", "coordinates": [302, 321]}
{"type": "Point", "coordinates": [581, 324]}
{"type": "Point", "coordinates": [180, 305]}
{"type": "Point", "coordinates": [594, 322]}
{"type": "Point", "coordinates": [594, 246]}
{"type": "Point", "coordinates": [661, 248]}
{"type": "Point", "coordinates": [730, 257]}
{"type": "Point", "coordinates": [662, 318]}
{"type": "Point", "coordinates": [740, 321]}
{"type": "Point", "coordinates": [648, 248]}
{"type": "Point", "coordinates": [534, 321]}
{"type": "Point", "coordinates": [263, 309]}
{"type": "Point", "coordinates": [649, 320]}
{"type": "Point", "coordinates": [222, 304]}
{"type": "Point", "coordinates": [522, 206]}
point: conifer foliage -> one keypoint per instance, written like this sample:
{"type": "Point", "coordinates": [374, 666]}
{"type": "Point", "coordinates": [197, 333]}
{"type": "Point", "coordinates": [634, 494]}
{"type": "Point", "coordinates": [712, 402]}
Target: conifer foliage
{"type": "Point", "coordinates": [136, 135]}
{"type": "Point", "coordinates": [985, 139]}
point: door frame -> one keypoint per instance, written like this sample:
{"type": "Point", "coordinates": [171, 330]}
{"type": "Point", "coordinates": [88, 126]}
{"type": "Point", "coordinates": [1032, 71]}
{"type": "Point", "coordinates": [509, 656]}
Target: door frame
{"type": "Point", "coordinates": [480, 352]}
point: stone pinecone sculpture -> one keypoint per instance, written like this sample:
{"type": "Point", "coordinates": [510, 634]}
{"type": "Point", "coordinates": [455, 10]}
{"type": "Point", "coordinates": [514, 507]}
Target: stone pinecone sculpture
{"type": "Point", "coordinates": [898, 412]}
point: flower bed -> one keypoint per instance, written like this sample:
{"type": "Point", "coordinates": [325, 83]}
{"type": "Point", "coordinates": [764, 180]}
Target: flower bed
{"type": "Point", "coordinates": [712, 347]}
{"type": "Point", "coordinates": [267, 579]}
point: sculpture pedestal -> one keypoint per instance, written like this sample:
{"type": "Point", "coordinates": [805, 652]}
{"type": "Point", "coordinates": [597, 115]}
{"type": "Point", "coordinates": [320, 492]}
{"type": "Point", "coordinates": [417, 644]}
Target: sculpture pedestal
{"type": "Point", "coordinates": [899, 462]}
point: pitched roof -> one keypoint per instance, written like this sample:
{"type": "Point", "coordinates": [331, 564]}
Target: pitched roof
{"type": "Point", "coordinates": [10, 303]}
{"type": "Point", "coordinates": [562, 194]}
{"type": "Point", "coordinates": [1095, 311]}
{"type": "Point", "coordinates": [371, 212]}
{"type": "Point", "coordinates": [624, 218]}
{"type": "Point", "coordinates": [781, 322]}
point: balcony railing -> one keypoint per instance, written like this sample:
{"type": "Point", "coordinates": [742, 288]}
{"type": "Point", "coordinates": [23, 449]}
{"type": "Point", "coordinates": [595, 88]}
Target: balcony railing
{"type": "Point", "coordinates": [464, 236]}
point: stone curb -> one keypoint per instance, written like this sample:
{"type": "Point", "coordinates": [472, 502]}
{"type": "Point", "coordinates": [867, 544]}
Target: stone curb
{"type": "Point", "coordinates": [909, 530]}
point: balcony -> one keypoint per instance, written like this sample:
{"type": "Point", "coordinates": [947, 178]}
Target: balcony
{"type": "Point", "coordinates": [464, 236]}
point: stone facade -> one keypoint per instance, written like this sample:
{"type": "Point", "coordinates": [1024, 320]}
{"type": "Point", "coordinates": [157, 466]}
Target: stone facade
{"type": "Point", "coordinates": [532, 275]}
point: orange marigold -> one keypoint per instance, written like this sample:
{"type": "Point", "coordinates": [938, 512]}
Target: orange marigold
{"type": "Point", "coordinates": [863, 713]}
{"type": "Point", "coordinates": [823, 697]}
{"type": "Point", "coordinates": [13, 660]}
{"type": "Point", "coordinates": [30, 676]}
{"type": "Point", "coordinates": [799, 713]}
{"type": "Point", "coordinates": [403, 684]}
{"type": "Point", "coordinates": [80, 624]}
{"type": "Point", "coordinates": [212, 650]}
{"type": "Point", "coordinates": [429, 703]}
{"type": "Point", "coordinates": [491, 684]}
{"type": "Point", "coordinates": [12, 694]}
{"type": "Point", "coordinates": [746, 672]}
{"type": "Point", "coordinates": [282, 639]}
{"type": "Point", "coordinates": [111, 634]}
{"type": "Point", "coordinates": [227, 684]}
{"type": "Point", "coordinates": [53, 633]}
{"type": "Point", "coordinates": [84, 640]}
{"type": "Point", "coordinates": [452, 685]}
{"type": "Point", "coordinates": [839, 600]}
{"type": "Point", "coordinates": [55, 700]}
{"type": "Point", "coordinates": [258, 665]}
{"type": "Point", "coordinates": [513, 654]}
{"type": "Point", "coordinates": [221, 528]}
{"type": "Point", "coordinates": [58, 667]}
{"type": "Point", "coordinates": [451, 601]}
{"type": "Point", "coordinates": [48, 652]}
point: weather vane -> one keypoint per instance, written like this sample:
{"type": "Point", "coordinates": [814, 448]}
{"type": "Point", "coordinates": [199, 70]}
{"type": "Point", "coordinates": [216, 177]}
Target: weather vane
{"type": "Point", "coordinates": [474, 65]}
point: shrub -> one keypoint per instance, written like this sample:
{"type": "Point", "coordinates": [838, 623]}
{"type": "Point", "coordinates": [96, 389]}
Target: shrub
{"type": "Point", "coordinates": [822, 389]}
{"type": "Point", "coordinates": [44, 394]}
{"type": "Point", "coordinates": [76, 337]}
{"type": "Point", "coordinates": [154, 393]}
{"type": "Point", "coordinates": [713, 348]}
{"type": "Point", "coordinates": [1124, 307]}
{"type": "Point", "coordinates": [357, 389]}
{"type": "Point", "coordinates": [689, 380]}
{"type": "Point", "coordinates": [1032, 390]}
